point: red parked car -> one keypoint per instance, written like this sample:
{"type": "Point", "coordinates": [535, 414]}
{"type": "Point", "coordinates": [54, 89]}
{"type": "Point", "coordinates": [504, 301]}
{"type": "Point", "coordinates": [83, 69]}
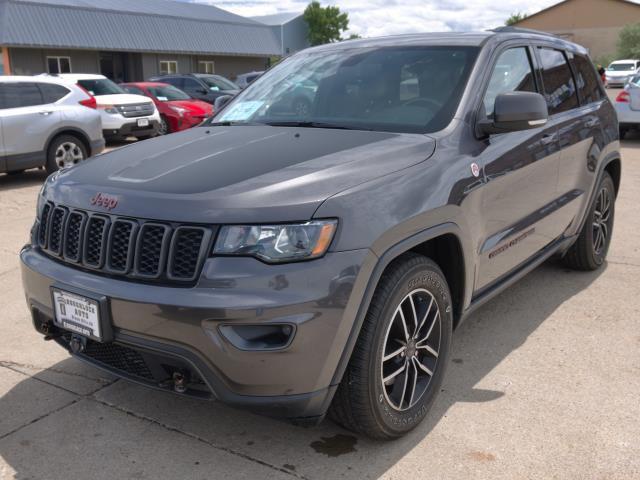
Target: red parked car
{"type": "Point", "coordinates": [178, 111]}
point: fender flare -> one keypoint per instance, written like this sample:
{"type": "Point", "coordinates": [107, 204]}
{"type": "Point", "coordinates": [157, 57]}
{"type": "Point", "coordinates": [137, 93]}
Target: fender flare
{"type": "Point", "coordinates": [71, 130]}
{"type": "Point", "coordinates": [393, 252]}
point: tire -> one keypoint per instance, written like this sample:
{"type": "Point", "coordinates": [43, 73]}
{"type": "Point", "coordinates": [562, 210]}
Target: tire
{"type": "Point", "coordinates": [164, 128]}
{"type": "Point", "coordinates": [57, 159]}
{"type": "Point", "coordinates": [590, 249]}
{"type": "Point", "coordinates": [364, 402]}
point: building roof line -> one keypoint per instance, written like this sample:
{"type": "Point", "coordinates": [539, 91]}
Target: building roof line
{"type": "Point", "coordinates": [250, 23]}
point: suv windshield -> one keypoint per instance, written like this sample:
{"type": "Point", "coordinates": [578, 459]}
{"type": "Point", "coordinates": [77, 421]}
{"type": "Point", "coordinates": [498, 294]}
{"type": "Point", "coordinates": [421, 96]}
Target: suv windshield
{"type": "Point", "coordinates": [168, 93]}
{"type": "Point", "coordinates": [101, 86]}
{"type": "Point", "coordinates": [622, 67]}
{"type": "Point", "coordinates": [219, 83]}
{"type": "Point", "coordinates": [401, 89]}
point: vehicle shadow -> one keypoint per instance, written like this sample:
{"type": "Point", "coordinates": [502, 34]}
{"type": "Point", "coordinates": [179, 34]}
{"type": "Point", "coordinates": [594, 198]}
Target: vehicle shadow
{"type": "Point", "coordinates": [25, 179]}
{"type": "Point", "coordinates": [326, 451]}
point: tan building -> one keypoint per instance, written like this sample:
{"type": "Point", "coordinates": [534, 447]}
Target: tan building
{"type": "Point", "coordinates": [595, 24]}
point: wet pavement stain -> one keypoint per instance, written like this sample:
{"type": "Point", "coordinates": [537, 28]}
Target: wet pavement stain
{"type": "Point", "coordinates": [335, 446]}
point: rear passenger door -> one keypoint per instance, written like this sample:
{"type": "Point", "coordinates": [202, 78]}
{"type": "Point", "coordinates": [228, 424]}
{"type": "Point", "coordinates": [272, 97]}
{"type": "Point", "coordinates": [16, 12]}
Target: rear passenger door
{"type": "Point", "coordinates": [574, 102]}
{"type": "Point", "coordinates": [519, 172]}
{"type": "Point", "coordinates": [27, 123]}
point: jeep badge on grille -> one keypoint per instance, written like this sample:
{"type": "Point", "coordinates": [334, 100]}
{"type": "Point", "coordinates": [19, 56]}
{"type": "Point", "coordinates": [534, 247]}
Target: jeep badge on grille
{"type": "Point", "coordinates": [106, 201]}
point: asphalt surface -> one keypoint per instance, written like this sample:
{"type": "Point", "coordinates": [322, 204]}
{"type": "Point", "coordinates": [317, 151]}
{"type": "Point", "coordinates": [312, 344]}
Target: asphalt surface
{"type": "Point", "coordinates": [544, 382]}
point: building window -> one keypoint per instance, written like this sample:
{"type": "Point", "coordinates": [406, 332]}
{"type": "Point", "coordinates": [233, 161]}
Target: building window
{"type": "Point", "coordinates": [206, 67]}
{"type": "Point", "coordinates": [168, 67]}
{"type": "Point", "coordinates": [59, 64]}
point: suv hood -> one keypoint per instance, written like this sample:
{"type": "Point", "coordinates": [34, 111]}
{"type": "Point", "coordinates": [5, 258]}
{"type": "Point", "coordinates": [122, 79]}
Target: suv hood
{"type": "Point", "coordinates": [236, 174]}
{"type": "Point", "coordinates": [121, 99]}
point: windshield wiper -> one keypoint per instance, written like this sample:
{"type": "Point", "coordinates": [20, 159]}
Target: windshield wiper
{"type": "Point", "coordinates": [308, 124]}
{"type": "Point", "coordinates": [231, 123]}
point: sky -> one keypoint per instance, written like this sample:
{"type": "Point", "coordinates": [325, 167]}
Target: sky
{"type": "Point", "coordinates": [373, 18]}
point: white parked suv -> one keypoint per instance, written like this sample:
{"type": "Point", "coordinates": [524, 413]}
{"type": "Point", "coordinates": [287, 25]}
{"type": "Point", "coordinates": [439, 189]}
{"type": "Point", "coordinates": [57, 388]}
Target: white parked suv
{"type": "Point", "coordinates": [45, 121]}
{"type": "Point", "coordinates": [123, 114]}
{"type": "Point", "coordinates": [618, 73]}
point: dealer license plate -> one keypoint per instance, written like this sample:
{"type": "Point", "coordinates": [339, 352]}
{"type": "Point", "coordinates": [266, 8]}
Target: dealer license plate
{"type": "Point", "coordinates": [77, 314]}
{"type": "Point", "coordinates": [143, 122]}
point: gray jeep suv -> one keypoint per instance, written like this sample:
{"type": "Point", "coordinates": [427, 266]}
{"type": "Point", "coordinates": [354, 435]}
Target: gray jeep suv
{"type": "Point", "coordinates": [299, 265]}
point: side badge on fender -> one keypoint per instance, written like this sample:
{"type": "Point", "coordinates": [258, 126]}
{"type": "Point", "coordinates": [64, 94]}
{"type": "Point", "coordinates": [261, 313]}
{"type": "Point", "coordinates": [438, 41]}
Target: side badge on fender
{"type": "Point", "coordinates": [475, 170]}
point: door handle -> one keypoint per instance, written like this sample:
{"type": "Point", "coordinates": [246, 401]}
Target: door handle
{"type": "Point", "coordinates": [548, 138]}
{"type": "Point", "coordinates": [592, 122]}
{"type": "Point", "coordinates": [45, 113]}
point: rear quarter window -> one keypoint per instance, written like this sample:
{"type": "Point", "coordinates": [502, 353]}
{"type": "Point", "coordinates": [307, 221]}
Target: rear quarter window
{"type": "Point", "coordinates": [559, 88]}
{"type": "Point", "coordinates": [52, 93]}
{"type": "Point", "coordinates": [586, 79]}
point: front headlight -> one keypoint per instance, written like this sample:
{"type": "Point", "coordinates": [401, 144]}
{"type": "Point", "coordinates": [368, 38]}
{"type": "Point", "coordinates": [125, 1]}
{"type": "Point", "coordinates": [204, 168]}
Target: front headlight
{"type": "Point", "coordinates": [111, 109]}
{"type": "Point", "coordinates": [179, 110]}
{"type": "Point", "coordinates": [277, 243]}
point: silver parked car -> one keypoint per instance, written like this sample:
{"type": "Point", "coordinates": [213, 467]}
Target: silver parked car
{"type": "Point", "coordinates": [627, 106]}
{"type": "Point", "coordinates": [46, 121]}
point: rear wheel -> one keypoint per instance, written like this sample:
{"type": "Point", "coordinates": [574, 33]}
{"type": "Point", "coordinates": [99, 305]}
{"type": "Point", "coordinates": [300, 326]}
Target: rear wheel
{"type": "Point", "coordinates": [399, 360]}
{"type": "Point", "coordinates": [591, 247]}
{"type": "Point", "coordinates": [65, 151]}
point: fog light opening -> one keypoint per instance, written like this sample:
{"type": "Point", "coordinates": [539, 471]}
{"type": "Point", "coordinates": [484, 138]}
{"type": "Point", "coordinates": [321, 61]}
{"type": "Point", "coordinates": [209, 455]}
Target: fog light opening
{"type": "Point", "coordinates": [259, 337]}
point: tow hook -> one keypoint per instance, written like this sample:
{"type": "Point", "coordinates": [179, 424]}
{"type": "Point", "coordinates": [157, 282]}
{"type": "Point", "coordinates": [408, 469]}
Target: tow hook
{"type": "Point", "coordinates": [49, 331]}
{"type": "Point", "coordinates": [77, 344]}
{"type": "Point", "coordinates": [179, 382]}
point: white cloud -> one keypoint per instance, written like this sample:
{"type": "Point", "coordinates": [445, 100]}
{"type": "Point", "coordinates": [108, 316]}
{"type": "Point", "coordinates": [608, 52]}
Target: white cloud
{"type": "Point", "coordinates": [372, 18]}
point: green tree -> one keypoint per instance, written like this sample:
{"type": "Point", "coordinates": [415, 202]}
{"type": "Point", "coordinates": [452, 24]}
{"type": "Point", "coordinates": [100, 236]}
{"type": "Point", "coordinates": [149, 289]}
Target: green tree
{"type": "Point", "coordinates": [326, 24]}
{"type": "Point", "coordinates": [515, 18]}
{"type": "Point", "coordinates": [629, 41]}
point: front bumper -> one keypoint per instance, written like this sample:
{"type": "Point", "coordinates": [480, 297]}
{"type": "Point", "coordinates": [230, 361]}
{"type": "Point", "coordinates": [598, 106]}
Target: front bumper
{"type": "Point", "coordinates": [131, 129]}
{"type": "Point", "coordinates": [184, 324]}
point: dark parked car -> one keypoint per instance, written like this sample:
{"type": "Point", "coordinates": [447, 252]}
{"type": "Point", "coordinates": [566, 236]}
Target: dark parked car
{"type": "Point", "coordinates": [299, 265]}
{"type": "Point", "coordinates": [243, 80]}
{"type": "Point", "coordinates": [203, 86]}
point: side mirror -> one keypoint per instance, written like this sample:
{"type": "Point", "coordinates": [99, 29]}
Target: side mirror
{"type": "Point", "coordinates": [515, 111]}
{"type": "Point", "coordinates": [220, 102]}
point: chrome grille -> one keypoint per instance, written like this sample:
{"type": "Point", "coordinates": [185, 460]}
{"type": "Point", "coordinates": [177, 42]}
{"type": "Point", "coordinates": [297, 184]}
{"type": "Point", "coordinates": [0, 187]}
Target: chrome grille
{"type": "Point", "coordinates": [136, 110]}
{"type": "Point", "coordinates": [133, 248]}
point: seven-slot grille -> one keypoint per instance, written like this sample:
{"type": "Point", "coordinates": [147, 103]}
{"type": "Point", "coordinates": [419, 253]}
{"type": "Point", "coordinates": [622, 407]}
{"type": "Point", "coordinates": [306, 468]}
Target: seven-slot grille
{"type": "Point", "coordinates": [138, 249]}
{"type": "Point", "coordinates": [136, 110]}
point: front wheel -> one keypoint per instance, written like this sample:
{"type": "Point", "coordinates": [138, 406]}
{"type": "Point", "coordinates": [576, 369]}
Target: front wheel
{"type": "Point", "coordinates": [399, 360]}
{"type": "Point", "coordinates": [590, 249]}
{"type": "Point", "coordinates": [164, 128]}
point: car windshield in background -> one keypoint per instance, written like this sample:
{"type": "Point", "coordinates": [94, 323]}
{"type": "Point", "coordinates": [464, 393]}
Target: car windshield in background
{"type": "Point", "coordinates": [101, 86]}
{"type": "Point", "coordinates": [622, 67]}
{"type": "Point", "coordinates": [168, 93]}
{"type": "Point", "coordinates": [219, 83]}
{"type": "Point", "coordinates": [398, 89]}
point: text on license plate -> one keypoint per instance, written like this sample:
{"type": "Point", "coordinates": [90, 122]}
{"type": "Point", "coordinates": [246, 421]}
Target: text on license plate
{"type": "Point", "coordinates": [77, 313]}
{"type": "Point", "coordinates": [143, 122]}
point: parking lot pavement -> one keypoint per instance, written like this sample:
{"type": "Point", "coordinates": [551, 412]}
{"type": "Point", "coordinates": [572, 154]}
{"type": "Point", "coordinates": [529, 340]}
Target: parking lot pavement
{"type": "Point", "coordinates": [544, 382]}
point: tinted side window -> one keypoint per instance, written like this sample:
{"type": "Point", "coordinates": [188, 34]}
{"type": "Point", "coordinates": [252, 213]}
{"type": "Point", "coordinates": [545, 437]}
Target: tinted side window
{"type": "Point", "coordinates": [559, 89]}
{"type": "Point", "coordinates": [176, 82]}
{"type": "Point", "coordinates": [191, 86]}
{"type": "Point", "coordinates": [134, 90]}
{"type": "Point", "coordinates": [52, 93]}
{"type": "Point", "coordinates": [14, 95]}
{"type": "Point", "coordinates": [511, 73]}
{"type": "Point", "coordinates": [586, 79]}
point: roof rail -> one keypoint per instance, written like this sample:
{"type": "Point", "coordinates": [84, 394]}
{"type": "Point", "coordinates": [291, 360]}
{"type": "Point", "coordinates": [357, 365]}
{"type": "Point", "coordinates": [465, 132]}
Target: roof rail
{"type": "Point", "coordinates": [509, 29]}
